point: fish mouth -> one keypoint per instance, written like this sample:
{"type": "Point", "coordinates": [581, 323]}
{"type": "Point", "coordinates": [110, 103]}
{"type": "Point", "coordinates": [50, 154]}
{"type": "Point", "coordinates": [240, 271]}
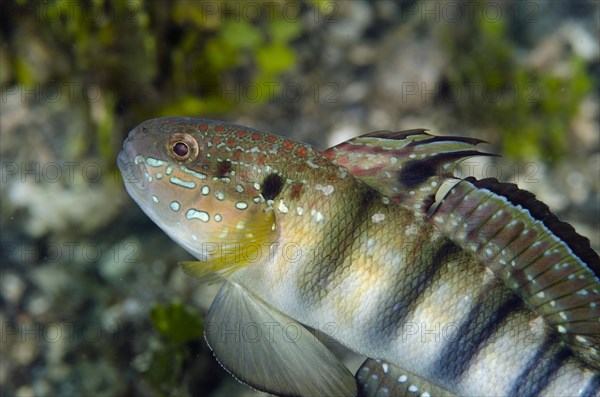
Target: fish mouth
{"type": "Point", "coordinates": [133, 168]}
{"type": "Point", "coordinates": [122, 160]}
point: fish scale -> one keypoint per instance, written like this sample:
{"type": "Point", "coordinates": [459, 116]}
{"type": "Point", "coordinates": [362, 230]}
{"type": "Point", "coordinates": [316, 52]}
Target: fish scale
{"type": "Point", "coordinates": [465, 285]}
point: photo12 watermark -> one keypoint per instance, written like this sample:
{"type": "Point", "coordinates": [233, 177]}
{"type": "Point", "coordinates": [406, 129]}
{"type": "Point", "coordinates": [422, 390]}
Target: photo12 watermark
{"type": "Point", "coordinates": [469, 93]}
{"type": "Point", "coordinates": [67, 332]}
{"type": "Point", "coordinates": [268, 11]}
{"type": "Point", "coordinates": [269, 331]}
{"type": "Point", "coordinates": [431, 11]}
{"type": "Point", "coordinates": [75, 11]}
{"type": "Point", "coordinates": [66, 172]}
{"type": "Point", "coordinates": [68, 252]}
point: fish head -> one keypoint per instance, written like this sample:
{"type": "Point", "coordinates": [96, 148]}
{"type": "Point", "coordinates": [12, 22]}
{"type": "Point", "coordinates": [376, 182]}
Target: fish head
{"type": "Point", "coordinates": [179, 172]}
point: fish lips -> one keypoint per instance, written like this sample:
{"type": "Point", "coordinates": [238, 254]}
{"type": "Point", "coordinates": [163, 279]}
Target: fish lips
{"type": "Point", "coordinates": [133, 168]}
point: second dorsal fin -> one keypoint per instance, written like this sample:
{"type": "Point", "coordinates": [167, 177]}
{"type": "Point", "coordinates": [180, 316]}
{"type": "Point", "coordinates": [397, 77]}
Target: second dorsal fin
{"type": "Point", "coordinates": [543, 260]}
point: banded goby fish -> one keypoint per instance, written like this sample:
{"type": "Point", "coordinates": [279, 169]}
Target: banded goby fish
{"type": "Point", "coordinates": [449, 286]}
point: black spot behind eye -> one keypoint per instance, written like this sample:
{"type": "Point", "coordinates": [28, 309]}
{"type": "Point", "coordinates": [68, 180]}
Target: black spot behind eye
{"type": "Point", "coordinates": [223, 169]}
{"type": "Point", "coordinates": [271, 186]}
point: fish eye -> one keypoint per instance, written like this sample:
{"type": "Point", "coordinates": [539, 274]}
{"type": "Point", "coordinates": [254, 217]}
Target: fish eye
{"type": "Point", "coordinates": [182, 147]}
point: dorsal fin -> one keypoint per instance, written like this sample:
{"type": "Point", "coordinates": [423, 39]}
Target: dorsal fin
{"type": "Point", "coordinates": [543, 260]}
{"type": "Point", "coordinates": [406, 166]}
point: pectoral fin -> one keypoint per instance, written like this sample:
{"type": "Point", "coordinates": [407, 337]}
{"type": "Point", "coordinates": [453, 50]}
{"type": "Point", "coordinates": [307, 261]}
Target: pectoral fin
{"type": "Point", "coordinates": [269, 351]}
{"type": "Point", "coordinates": [241, 242]}
{"type": "Point", "coordinates": [377, 378]}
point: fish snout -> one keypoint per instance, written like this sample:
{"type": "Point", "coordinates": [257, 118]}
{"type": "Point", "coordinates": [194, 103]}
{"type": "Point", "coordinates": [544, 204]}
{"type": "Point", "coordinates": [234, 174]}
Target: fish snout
{"type": "Point", "coordinates": [133, 167]}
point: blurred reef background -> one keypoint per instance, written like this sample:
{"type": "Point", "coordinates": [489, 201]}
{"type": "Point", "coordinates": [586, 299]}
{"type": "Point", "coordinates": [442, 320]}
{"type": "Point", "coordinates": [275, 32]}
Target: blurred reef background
{"type": "Point", "coordinates": [92, 302]}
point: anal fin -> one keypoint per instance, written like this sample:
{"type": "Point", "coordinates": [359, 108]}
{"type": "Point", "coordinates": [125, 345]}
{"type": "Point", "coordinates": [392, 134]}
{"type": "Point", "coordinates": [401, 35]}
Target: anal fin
{"type": "Point", "coordinates": [377, 378]}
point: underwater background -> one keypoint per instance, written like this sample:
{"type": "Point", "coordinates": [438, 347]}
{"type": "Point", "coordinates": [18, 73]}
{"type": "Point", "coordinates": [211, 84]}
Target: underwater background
{"type": "Point", "coordinates": [92, 302]}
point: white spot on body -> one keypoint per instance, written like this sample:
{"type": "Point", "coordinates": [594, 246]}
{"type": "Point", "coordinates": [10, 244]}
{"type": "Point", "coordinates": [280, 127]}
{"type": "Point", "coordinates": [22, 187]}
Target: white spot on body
{"type": "Point", "coordinates": [317, 216]}
{"type": "Point", "coordinates": [239, 188]}
{"type": "Point", "coordinates": [159, 175]}
{"type": "Point", "coordinates": [370, 247]}
{"type": "Point", "coordinates": [205, 190]}
{"type": "Point", "coordinates": [402, 379]}
{"type": "Point", "coordinates": [220, 195]}
{"type": "Point", "coordinates": [282, 207]}
{"type": "Point", "coordinates": [152, 162]}
{"type": "Point", "coordinates": [175, 206]}
{"type": "Point", "coordinates": [193, 173]}
{"type": "Point", "coordinates": [154, 198]}
{"type": "Point", "coordinates": [311, 164]}
{"type": "Point", "coordinates": [385, 368]}
{"type": "Point", "coordinates": [299, 210]}
{"type": "Point", "coordinates": [218, 217]}
{"type": "Point", "coordinates": [563, 315]}
{"type": "Point", "coordinates": [195, 214]}
{"type": "Point", "coordinates": [411, 230]}
{"type": "Point", "coordinates": [327, 189]}
{"type": "Point", "coordinates": [241, 205]}
{"type": "Point", "coordinates": [581, 339]}
{"type": "Point", "coordinates": [413, 388]}
{"type": "Point", "coordinates": [378, 217]}
{"type": "Point", "coordinates": [169, 170]}
{"type": "Point", "coordinates": [180, 182]}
